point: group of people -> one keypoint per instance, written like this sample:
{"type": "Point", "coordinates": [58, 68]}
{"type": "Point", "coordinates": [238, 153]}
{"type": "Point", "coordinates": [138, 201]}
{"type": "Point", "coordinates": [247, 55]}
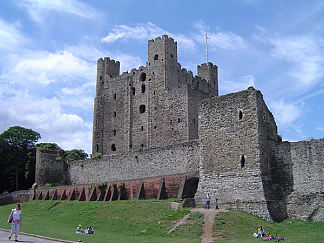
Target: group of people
{"type": "Point", "coordinates": [15, 221]}
{"type": "Point", "coordinates": [79, 230]}
{"type": "Point", "coordinates": [208, 199]}
{"type": "Point", "coordinates": [262, 233]}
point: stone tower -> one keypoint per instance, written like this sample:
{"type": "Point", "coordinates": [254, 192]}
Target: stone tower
{"type": "Point", "coordinates": [152, 106]}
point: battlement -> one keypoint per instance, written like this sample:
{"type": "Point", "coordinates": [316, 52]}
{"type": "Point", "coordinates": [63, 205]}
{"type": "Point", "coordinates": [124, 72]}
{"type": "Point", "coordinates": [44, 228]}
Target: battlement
{"type": "Point", "coordinates": [108, 66]}
{"type": "Point", "coordinates": [164, 38]}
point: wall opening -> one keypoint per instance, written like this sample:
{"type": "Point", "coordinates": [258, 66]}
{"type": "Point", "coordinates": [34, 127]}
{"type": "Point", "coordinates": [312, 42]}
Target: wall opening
{"type": "Point", "coordinates": [171, 55]}
{"type": "Point", "coordinates": [97, 148]}
{"type": "Point", "coordinates": [100, 78]}
{"type": "Point", "coordinates": [156, 57]}
{"type": "Point", "coordinates": [143, 77]}
{"type": "Point", "coordinates": [131, 146]}
{"type": "Point", "coordinates": [242, 161]}
{"type": "Point", "coordinates": [133, 90]}
{"type": "Point", "coordinates": [142, 145]}
{"type": "Point", "coordinates": [142, 128]}
{"type": "Point", "coordinates": [115, 96]}
{"type": "Point", "coordinates": [115, 114]}
{"type": "Point", "coordinates": [142, 109]}
{"type": "Point", "coordinates": [179, 120]}
{"type": "Point", "coordinates": [113, 147]}
{"type": "Point", "coordinates": [240, 115]}
{"type": "Point", "coordinates": [143, 88]}
{"type": "Point", "coordinates": [114, 132]}
{"type": "Point", "coordinates": [194, 121]}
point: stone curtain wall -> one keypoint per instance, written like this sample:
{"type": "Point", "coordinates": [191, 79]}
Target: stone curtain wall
{"type": "Point", "coordinates": [303, 165]}
{"type": "Point", "coordinates": [49, 168]}
{"type": "Point", "coordinates": [177, 159]}
{"type": "Point", "coordinates": [15, 197]}
{"type": "Point", "coordinates": [230, 147]}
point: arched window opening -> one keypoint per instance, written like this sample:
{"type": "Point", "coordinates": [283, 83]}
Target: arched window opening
{"type": "Point", "coordinates": [170, 122]}
{"type": "Point", "coordinates": [240, 115]}
{"type": "Point", "coordinates": [131, 146]}
{"type": "Point", "coordinates": [142, 108]}
{"type": "Point", "coordinates": [97, 148]}
{"type": "Point", "coordinates": [142, 128]}
{"type": "Point", "coordinates": [156, 57]}
{"type": "Point", "coordinates": [242, 161]}
{"type": "Point", "coordinates": [143, 77]}
{"type": "Point", "coordinates": [179, 120]}
{"type": "Point", "coordinates": [154, 127]}
{"type": "Point", "coordinates": [133, 90]}
{"type": "Point", "coordinates": [143, 88]}
{"type": "Point", "coordinates": [115, 114]}
{"type": "Point", "coordinates": [115, 96]}
{"type": "Point", "coordinates": [142, 145]}
{"type": "Point", "coordinates": [171, 55]}
{"type": "Point", "coordinates": [100, 78]}
{"type": "Point", "coordinates": [113, 147]}
{"type": "Point", "coordinates": [194, 121]}
{"type": "Point", "coordinates": [114, 132]}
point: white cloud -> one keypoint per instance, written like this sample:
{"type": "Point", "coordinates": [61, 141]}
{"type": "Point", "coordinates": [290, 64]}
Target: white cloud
{"type": "Point", "coordinates": [47, 117]}
{"type": "Point", "coordinates": [285, 113]}
{"type": "Point", "coordinates": [224, 40]}
{"type": "Point", "coordinates": [10, 36]}
{"type": "Point", "coordinates": [304, 53]}
{"type": "Point", "coordinates": [230, 86]}
{"type": "Point", "coordinates": [145, 31]}
{"type": "Point", "coordinates": [45, 68]}
{"type": "Point", "coordinates": [138, 32]}
{"type": "Point", "coordinates": [38, 9]}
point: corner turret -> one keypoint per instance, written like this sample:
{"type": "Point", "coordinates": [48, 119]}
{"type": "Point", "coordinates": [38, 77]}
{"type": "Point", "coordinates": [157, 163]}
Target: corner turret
{"type": "Point", "coordinates": [209, 72]}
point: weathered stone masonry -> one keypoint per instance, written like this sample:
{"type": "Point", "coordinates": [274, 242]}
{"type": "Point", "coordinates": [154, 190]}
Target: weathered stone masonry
{"type": "Point", "coordinates": [159, 123]}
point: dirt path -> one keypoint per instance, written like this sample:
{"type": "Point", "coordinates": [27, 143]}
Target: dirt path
{"type": "Point", "coordinates": [180, 222]}
{"type": "Point", "coordinates": [209, 218]}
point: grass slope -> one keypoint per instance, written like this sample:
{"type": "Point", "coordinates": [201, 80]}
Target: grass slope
{"type": "Point", "coordinates": [236, 226]}
{"type": "Point", "coordinates": [124, 221]}
{"type": "Point", "coordinates": [117, 221]}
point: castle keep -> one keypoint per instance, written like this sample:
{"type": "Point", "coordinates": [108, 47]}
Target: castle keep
{"type": "Point", "coordinates": [164, 132]}
{"type": "Point", "coordinates": [152, 106]}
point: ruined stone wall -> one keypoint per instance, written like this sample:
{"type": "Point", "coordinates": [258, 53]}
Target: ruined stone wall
{"type": "Point", "coordinates": [169, 160]}
{"type": "Point", "coordinates": [302, 163]}
{"type": "Point", "coordinates": [230, 152]}
{"type": "Point", "coordinates": [15, 197]}
{"type": "Point", "coordinates": [50, 167]}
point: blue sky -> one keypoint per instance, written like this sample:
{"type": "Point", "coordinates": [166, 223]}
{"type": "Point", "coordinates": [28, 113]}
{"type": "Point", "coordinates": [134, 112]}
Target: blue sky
{"type": "Point", "coordinates": [49, 51]}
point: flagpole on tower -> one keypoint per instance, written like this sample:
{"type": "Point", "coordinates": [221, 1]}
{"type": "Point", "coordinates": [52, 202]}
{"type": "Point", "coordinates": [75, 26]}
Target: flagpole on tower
{"type": "Point", "coordinates": [207, 48]}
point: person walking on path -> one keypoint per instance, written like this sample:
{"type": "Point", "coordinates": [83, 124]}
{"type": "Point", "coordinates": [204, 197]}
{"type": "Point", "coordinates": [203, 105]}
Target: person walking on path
{"type": "Point", "coordinates": [15, 221]}
{"type": "Point", "coordinates": [216, 204]}
{"type": "Point", "coordinates": [207, 206]}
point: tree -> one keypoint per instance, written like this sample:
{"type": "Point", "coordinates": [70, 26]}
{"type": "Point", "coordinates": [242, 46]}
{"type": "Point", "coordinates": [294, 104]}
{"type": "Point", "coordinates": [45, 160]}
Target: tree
{"type": "Point", "coordinates": [17, 147]}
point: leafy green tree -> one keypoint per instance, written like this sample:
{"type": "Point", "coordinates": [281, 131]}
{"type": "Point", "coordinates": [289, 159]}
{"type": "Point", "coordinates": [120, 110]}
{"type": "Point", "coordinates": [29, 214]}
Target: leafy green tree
{"type": "Point", "coordinates": [18, 152]}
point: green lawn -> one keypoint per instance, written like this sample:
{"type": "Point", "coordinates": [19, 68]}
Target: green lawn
{"type": "Point", "coordinates": [149, 221]}
{"type": "Point", "coordinates": [236, 226]}
{"type": "Point", "coordinates": [117, 221]}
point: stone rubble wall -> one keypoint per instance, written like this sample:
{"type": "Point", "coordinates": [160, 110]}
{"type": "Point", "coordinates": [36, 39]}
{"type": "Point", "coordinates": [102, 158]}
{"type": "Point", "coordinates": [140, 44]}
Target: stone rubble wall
{"type": "Point", "coordinates": [177, 159]}
{"type": "Point", "coordinates": [303, 165]}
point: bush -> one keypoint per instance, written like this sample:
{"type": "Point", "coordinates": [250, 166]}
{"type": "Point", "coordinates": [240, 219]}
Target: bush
{"type": "Point", "coordinates": [77, 154]}
{"type": "Point", "coordinates": [47, 145]}
{"type": "Point", "coordinates": [97, 156]}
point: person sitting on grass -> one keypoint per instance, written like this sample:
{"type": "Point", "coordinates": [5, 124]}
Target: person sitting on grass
{"type": "Point", "coordinates": [79, 230]}
{"type": "Point", "coordinates": [90, 230]}
{"type": "Point", "coordinates": [261, 231]}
